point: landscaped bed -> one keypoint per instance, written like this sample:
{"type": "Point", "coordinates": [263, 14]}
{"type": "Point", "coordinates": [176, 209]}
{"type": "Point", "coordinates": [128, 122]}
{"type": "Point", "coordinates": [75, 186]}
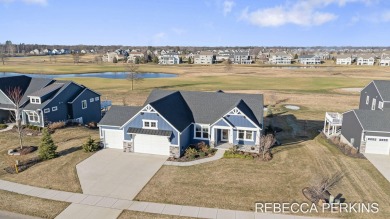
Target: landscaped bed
{"type": "Point", "coordinates": [59, 173]}
{"type": "Point", "coordinates": [3, 126]}
{"type": "Point", "coordinates": [195, 152]}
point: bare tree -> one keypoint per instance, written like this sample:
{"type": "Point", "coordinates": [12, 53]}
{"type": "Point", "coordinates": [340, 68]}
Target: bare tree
{"type": "Point", "coordinates": [76, 57]}
{"type": "Point", "coordinates": [324, 184]}
{"type": "Point", "coordinates": [228, 65]}
{"type": "Point", "coordinates": [266, 142]}
{"type": "Point", "coordinates": [3, 57]}
{"type": "Point", "coordinates": [15, 94]}
{"type": "Point", "coordinates": [133, 74]}
{"type": "Point", "coordinates": [98, 59]}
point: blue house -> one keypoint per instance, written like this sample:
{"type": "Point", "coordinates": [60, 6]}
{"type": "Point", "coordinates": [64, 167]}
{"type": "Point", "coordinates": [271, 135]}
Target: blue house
{"type": "Point", "coordinates": [170, 121]}
{"type": "Point", "coordinates": [46, 100]}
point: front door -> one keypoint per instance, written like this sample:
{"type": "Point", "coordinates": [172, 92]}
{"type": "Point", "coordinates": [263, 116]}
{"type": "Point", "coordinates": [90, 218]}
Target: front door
{"type": "Point", "coordinates": [224, 134]}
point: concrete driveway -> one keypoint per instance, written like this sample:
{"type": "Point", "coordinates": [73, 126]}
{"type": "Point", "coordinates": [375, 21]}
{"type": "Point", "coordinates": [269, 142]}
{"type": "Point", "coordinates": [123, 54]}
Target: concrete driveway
{"type": "Point", "coordinates": [381, 162]}
{"type": "Point", "coordinates": [116, 174]}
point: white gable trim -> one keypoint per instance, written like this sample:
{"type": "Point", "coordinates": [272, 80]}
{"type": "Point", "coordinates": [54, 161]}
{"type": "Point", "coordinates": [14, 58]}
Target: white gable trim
{"type": "Point", "coordinates": [242, 114]}
{"type": "Point", "coordinates": [377, 90]}
{"type": "Point", "coordinates": [358, 119]}
{"type": "Point", "coordinates": [222, 118]}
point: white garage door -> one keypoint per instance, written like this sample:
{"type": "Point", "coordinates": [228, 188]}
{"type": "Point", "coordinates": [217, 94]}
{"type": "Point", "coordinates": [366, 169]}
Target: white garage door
{"type": "Point", "coordinates": [113, 138]}
{"type": "Point", "coordinates": [375, 145]}
{"type": "Point", "coordinates": [151, 144]}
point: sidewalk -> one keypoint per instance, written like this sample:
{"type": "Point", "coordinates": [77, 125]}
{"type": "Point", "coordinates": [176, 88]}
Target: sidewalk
{"type": "Point", "coordinates": [109, 207]}
{"type": "Point", "coordinates": [218, 155]}
{"type": "Point", "coordinates": [9, 127]}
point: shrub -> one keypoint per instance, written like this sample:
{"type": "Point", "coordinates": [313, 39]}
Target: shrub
{"type": "Point", "coordinates": [3, 126]}
{"type": "Point", "coordinates": [90, 145]}
{"type": "Point", "coordinates": [191, 152]}
{"type": "Point", "coordinates": [57, 125]}
{"type": "Point", "coordinates": [47, 148]}
{"type": "Point", "coordinates": [231, 154]}
{"type": "Point", "coordinates": [92, 125]}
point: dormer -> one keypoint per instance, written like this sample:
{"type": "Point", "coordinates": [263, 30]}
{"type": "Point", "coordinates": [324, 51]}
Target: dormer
{"type": "Point", "coordinates": [35, 100]}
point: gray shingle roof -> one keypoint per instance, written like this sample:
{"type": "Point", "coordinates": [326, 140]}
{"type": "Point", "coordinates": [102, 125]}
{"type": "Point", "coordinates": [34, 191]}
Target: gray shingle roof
{"type": "Point", "coordinates": [374, 120]}
{"type": "Point", "coordinates": [149, 131]}
{"type": "Point", "coordinates": [119, 115]}
{"type": "Point", "coordinates": [383, 88]}
{"type": "Point", "coordinates": [47, 90]}
{"type": "Point", "coordinates": [306, 56]}
{"type": "Point", "coordinates": [208, 107]}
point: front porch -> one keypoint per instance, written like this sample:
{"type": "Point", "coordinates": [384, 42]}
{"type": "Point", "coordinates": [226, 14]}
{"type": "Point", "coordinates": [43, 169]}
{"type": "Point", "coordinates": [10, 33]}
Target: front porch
{"type": "Point", "coordinates": [332, 124]}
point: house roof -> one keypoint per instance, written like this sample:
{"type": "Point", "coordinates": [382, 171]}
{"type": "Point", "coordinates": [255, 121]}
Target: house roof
{"type": "Point", "coordinates": [206, 53]}
{"type": "Point", "coordinates": [343, 56]}
{"type": "Point", "coordinates": [205, 107]}
{"type": "Point", "coordinates": [307, 56]}
{"type": "Point", "coordinates": [374, 120]}
{"type": "Point", "coordinates": [149, 131]}
{"type": "Point", "coordinates": [119, 115]}
{"type": "Point", "coordinates": [46, 90]}
{"type": "Point", "coordinates": [383, 88]}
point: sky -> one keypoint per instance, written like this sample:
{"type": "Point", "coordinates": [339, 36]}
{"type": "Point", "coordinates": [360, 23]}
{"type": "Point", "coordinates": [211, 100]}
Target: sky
{"type": "Point", "coordinates": [197, 23]}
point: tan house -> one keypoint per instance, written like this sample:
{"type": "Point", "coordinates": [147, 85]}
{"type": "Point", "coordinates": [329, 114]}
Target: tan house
{"type": "Point", "coordinates": [134, 55]}
{"type": "Point", "coordinates": [109, 57]}
{"type": "Point", "coordinates": [204, 58]}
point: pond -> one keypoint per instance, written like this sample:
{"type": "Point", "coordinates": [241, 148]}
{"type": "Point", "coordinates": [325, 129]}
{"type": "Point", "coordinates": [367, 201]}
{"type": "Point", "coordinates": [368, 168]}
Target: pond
{"type": "Point", "coordinates": [111, 75]}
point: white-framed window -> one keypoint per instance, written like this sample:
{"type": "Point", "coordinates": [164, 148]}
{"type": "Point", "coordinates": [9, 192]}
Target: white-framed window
{"type": "Point", "coordinates": [384, 139]}
{"type": "Point", "coordinates": [245, 135]}
{"type": "Point", "coordinates": [35, 100]}
{"type": "Point", "coordinates": [202, 131]}
{"type": "Point", "coordinates": [380, 105]}
{"type": "Point", "coordinates": [373, 105]}
{"type": "Point", "coordinates": [96, 98]}
{"type": "Point", "coordinates": [47, 110]}
{"type": "Point", "coordinates": [91, 100]}
{"type": "Point", "coordinates": [54, 108]}
{"type": "Point", "coordinates": [371, 139]}
{"type": "Point", "coordinates": [32, 116]}
{"type": "Point", "coordinates": [84, 104]}
{"type": "Point", "coordinates": [149, 124]}
{"type": "Point", "coordinates": [367, 100]}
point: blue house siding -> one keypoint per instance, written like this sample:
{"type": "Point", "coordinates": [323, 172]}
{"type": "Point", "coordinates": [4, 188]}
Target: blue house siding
{"type": "Point", "coordinates": [185, 138]}
{"type": "Point", "coordinates": [236, 141]}
{"type": "Point", "coordinates": [239, 121]}
{"type": "Point", "coordinates": [161, 124]}
{"type": "Point", "coordinates": [93, 111]}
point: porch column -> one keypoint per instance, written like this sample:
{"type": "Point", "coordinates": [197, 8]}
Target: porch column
{"type": "Point", "coordinates": [324, 130]}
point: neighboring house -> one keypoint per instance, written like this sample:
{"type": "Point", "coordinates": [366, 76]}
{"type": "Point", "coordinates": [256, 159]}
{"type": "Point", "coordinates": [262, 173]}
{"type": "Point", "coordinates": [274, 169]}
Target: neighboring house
{"type": "Point", "coordinates": [309, 60]}
{"type": "Point", "coordinates": [365, 60]}
{"type": "Point", "coordinates": [204, 58]}
{"type": "Point", "coordinates": [385, 61]}
{"type": "Point", "coordinates": [368, 128]}
{"type": "Point", "coordinates": [109, 57]}
{"type": "Point", "coordinates": [134, 55]}
{"type": "Point", "coordinates": [280, 58]}
{"type": "Point", "coordinates": [344, 60]}
{"type": "Point", "coordinates": [242, 58]}
{"type": "Point", "coordinates": [170, 121]}
{"type": "Point", "coordinates": [171, 58]}
{"type": "Point", "coordinates": [45, 101]}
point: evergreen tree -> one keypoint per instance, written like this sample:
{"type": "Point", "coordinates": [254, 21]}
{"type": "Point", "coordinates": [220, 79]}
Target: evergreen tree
{"type": "Point", "coordinates": [155, 59]}
{"type": "Point", "coordinates": [114, 60]}
{"type": "Point", "coordinates": [90, 145]}
{"type": "Point", "coordinates": [47, 148]}
{"type": "Point", "coordinates": [136, 60]}
{"type": "Point", "coordinates": [189, 60]}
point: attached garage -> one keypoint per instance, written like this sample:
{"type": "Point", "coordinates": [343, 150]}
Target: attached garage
{"type": "Point", "coordinates": [377, 145]}
{"type": "Point", "coordinates": [151, 141]}
{"type": "Point", "coordinates": [113, 138]}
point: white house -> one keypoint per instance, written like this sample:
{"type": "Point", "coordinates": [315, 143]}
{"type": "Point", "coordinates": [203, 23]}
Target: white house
{"type": "Point", "coordinates": [109, 57]}
{"type": "Point", "coordinates": [280, 58]}
{"type": "Point", "coordinates": [204, 58]}
{"type": "Point", "coordinates": [169, 59]}
{"type": "Point", "coordinates": [385, 61]}
{"type": "Point", "coordinates": [365, 60]}
{"type": "Point", "coordinates": [134, 55]}
{"type": "Point", "coordinates": [310, 60]}
{"type": "Point", "coordinates": [344, 60]}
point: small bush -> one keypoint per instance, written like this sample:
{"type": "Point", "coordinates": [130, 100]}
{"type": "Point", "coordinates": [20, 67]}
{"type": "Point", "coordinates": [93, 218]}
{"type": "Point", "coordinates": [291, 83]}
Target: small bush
{"type": "Point", "coordinates": [57, 125]}
{"type": "Point", "coordinates": [191, 152]}
{"type": "Point", "coordinates": [3, 126]}
{"type": "Point", "coordinates": [92, 125]}
{"type": "Point", "coordinates": [231, 154]}
{"type": "Point", "coordinates": [90, 145]}
{"type": "Point", "coordinates": [47, 148]}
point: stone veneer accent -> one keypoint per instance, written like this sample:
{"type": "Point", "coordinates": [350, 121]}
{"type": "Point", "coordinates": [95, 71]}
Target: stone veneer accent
{"type": "Point", "coordinates": [174, 151]}
{"type": "Point", "coordinates": [128, 146]}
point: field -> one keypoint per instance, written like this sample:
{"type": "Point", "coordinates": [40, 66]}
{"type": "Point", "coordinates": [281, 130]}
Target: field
{"type": "Point", "coordinates": [315, 90]}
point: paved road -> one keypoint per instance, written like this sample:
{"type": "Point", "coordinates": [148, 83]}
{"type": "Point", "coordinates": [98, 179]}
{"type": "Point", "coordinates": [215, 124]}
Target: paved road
{"type": "Point", "coordinates": [11, 215]}
{"type": "Point", "coordinates": [381, 162]}
{"type": "Point", "coordinates": [113, 173]}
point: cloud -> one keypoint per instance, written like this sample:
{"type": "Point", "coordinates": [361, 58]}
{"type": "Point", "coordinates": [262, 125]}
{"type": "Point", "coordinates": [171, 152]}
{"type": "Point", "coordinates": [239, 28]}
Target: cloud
{"type": "Point", "coordinates": [227, 6]}
{"type": "Point", "coordinates": [300, 12]}
{"type": "Point", "coordinates": [29, 2]}
{"type": "Point", "coordinates": [178, 31]}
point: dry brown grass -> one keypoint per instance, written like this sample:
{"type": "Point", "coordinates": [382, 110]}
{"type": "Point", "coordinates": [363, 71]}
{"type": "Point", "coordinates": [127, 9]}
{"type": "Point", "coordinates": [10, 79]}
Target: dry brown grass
{"type": "Point", "coordinates": [143, 215]}
{"type": "Point", "coordinates": [238, 184]}
{"type": "Point", "coordinates": [28, 205]}
{"type": "Point", "coordinates": [59, 173]}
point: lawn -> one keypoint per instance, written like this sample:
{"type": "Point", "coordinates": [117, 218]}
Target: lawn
{"type": "Point", "coordinates": [59, 173]}
{"type": "Point", "coordinates": [238, 183]}
{"type": "Point", "coordinates": [32, 206]}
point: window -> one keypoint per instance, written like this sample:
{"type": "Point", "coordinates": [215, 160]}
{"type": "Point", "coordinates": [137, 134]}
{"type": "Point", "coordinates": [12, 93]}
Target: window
{"type": "Point", "coordinates": [47, 110]}
{"type": "Point", "coordinates": [201, 131]}
{"type": "Point", "coordinates": [150, 124]}
{"type": "Point", "coordinates": [380, 105]}
{"type": "Point", "coordinates": [245, 135]}
{"type": "Point", "coordinates": [384, 139]}
{"type": "Point", "coordinates": [32, 100]}
{"type": "Point", "coordinates": [371, 139]}
{"type": "Point", "coordinates": [35, 100]}
{"type": "Point", "coordinates": [32, 116]}
{"type": "Point", "coordinates": [54, 108]}
{"type": "Point", "coordinates": [367, 100]}
{"type": "Point", "coordinates": [91, 100]}
{"type": "Point", "coordinates": [84, 104]}
{"type": "Point", "coordinates": [96, 98]}
{"type": "Point", "coordinates": [373, 104]}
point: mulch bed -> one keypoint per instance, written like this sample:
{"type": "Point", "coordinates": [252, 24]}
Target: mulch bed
{"type": "Point", "coordinates": [187, 159]}
{"type": "Point", "coordinates": [344, 148]}
{"type": "Point", "coordinates": [26, 150]}
{"type": "Point", "coordinates": [23, 165]}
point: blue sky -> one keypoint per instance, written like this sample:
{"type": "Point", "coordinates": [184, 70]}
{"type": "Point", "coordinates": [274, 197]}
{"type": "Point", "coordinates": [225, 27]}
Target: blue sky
{"type": "Point", "coordinates": [197, 23]}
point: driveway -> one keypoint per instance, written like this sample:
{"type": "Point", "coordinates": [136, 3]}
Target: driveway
{"type": "Point", "coordinates": [116, 174]}
{"type": "Point", "coordinates": [381, 162]}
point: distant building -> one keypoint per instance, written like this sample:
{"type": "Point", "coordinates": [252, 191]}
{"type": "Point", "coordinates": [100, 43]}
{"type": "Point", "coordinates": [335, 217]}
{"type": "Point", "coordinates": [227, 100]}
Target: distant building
{"type": "Point", "coordinates": [385, 61]}
{"type": "Point", "coordinates": [344, 60]}
{"type": "Point", "coordinates": [169, 59]}
{"type": "Point", "coordinates": [204, 58]}
{"type": "Point", "coordinates": [365, 60]}
{"type": "Point", "coordinates": [109, 57]}
{"type": "Point", "coordinates": [134, 55]}
{"type": "Point", "coordinates": [280, 58]}
{"type": "Point", "coordinates": [242, 58]}
{"type": "Point", "coordinates": [309, 60]}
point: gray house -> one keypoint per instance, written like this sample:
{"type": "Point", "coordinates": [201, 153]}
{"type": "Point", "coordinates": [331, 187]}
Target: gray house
{"type": "Point", "coordinates": [170, 121]}
{"type": "Point", "coordinates": [368, 128]}
{"type": "Point", "coordinates": [46, 100]}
